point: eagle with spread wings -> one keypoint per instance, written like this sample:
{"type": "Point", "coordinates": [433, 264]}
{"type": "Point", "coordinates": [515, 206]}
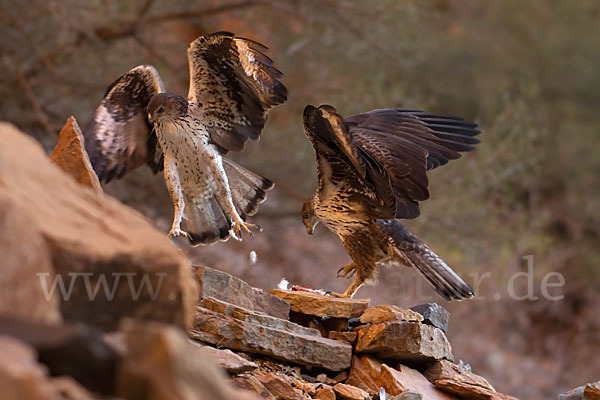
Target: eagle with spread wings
{"type": "Point", "coordinates": [233, 85]}
{"type": "Point", "coordinates": [372, 170]}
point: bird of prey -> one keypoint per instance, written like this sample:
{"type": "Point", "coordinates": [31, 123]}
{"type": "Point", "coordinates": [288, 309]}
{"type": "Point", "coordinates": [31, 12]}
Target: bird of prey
{"type": "Point", "coordinates": [372, 169]}
{"type": "Point", "coordinates": [233, 85]}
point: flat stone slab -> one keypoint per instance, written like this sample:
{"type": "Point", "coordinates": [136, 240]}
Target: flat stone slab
{"type": "Point", "coordinates": [223, 286]}
{"type": "Point", "coordinates": [408, 342]}
{"type": "Point", "coordinates": [322, 306]}
{"type": "Point", "coordinates": [379, 314]}
{"type": "Point", "coordinates": [297, 344]}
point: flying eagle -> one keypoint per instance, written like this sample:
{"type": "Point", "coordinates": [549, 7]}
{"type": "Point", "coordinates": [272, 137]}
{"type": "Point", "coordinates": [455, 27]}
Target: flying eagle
{"type": "Point", "coordinates": [233, 85]}
{"type": "Point", "coordinates": [372, 169]}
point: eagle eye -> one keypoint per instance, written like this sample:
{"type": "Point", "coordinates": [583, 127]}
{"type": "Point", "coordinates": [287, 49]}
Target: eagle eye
{"type": "Point", "coordinates": [305, 215]}
{"type": "Point", "coordinates": [160, 109]}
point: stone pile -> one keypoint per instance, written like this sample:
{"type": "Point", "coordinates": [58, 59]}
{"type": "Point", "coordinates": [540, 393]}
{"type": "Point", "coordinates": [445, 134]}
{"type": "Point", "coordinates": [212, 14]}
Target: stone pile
{"type": "Point", "coordinates": [305, 345]}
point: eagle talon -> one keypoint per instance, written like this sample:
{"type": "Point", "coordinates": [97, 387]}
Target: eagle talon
{"type": "Point", "coordinates": [176, 232]}
{"type": "Point", "coordinates": [241, 225]}
{"type": "Point", "coordinates": [346, 272]}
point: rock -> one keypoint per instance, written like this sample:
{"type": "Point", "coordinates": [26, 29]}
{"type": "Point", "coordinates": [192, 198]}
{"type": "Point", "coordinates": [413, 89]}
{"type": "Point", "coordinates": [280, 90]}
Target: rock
{"type": "Point", "coordinates": [325, 379]}
{"type": "Point", "coordinates": [434, 315]}
{"type": "Point", "coordinates": [470, 392]}
{"type": "Point", "coordinates": [366, 374]}
{"type": "Point", "coordinates": [370, 374]}
{"type": "Point", "coordinates": [335, 324]}
{"type": "Point", "coordinates": [349, 337]}
{"type": "Point", "coordinates": [99, 261]}
{"type": "Point", "coordinates": [349, 392]}
{"type": "Point", "coordinates": [258, 318]}
{"type": "Point", "coordinates": [408, 395]}
{"type": "Point", "coordinates": [22, 266]}
{"type": "Point", "coordinates": [278, 386]}
{"type": "Point", "coordinates": [250, 383]}
{"type": "Point", "coordinates": [21, 377]}
{"type": "Point", "coordinates": [73, 350]}
{"type": "Point", "coordinates": [70, 156]}
{"type": "Point", "coordinates": [322, 306]}
{"type": "Point", "coordinates": [592, 391]}
{"type": "Point", "coordinates": [272, 337]}
{"type": "Point", "coordinates": [409, 342]}
{"type": "Point", "coordinates": [69, 389]}
{"type": "Point", "coordinates": [341, 377]}
{"type": "Point", "coordinates": [324, 394]}
{"type": "Point", "coordinates": [379, 314]}
{"type": "Point", "coordinates": [306, 387]}
{"type": "Point", "coordinates": [229, 361]}
{"type": "Point", "coordinates": [222, 286]}
{"type": "Point", "coordinates": [162, 364]}
{"type": "Point", "coordinates": [446, 370]}
{"type": "Point", "coordinates": [404, 378]}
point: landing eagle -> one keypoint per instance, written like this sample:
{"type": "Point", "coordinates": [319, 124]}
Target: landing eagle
{"type": "Point", "coordinates": [372, 170]}
{"type": "Point", "coordinates": [233, 85]}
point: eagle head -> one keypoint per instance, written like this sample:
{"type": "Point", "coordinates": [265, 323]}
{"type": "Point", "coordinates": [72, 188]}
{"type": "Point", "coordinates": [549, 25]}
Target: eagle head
{"type": "Point", "coordinates": [166, 107]}
{"type": "Point", "coordinates": [309, 218]}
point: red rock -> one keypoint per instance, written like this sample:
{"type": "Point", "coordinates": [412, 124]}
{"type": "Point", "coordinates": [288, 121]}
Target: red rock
{"type": "Point", "coordinates": [349, 392]}
{"type": "Point", "coordinates": [21, 377]}
{"type": "Point", "coordinates": [272, 337]}
{"type": "Point", "coordinates": [446, 370]}
{"type": "Point", "coordinates": [325, 379]}
{"type": "Point", "coordinates": [228, 288]}
{"type": "Point", "coordinates": [229, 361]}
{"type": "Point", "coordinates": [470, 392]}
{"type": "Point", "coordinates": [161, 363]}
{"type": "Point", "coordinates": [325, 394]}
{"type": "Point", "coordinates": [250, 383]}
{"type": "Point", "coordinates": [408, 342]}
{"type": "Point", "coordinates": [279, 387]}
{"type": "Point", "coordinates": [379, 314]}
{"type": "Point", "coordinates": [85, 239]}
{"type": "Point", "coordinates": [465, 384]}
{"type": "Point", "coordinates": [306, 387]}
{"type": "Point", "coordinates": [70, 156]}
{"type": "Point", "coordinates": [322, 306]}
{"type": "Point", "coordinates": [592, 391]}
{"type": "Point", "coordinates": [349, 337]}
{"type": "Point", "coordinates": [370, 374]}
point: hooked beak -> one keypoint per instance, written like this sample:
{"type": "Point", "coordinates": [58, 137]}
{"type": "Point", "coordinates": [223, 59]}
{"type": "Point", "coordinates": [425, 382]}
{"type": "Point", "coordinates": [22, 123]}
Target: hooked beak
{"type": "Point", "coordinates": [310, 230]}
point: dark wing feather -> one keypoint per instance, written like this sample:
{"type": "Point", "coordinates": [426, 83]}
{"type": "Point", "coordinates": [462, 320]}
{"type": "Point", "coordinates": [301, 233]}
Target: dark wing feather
{"type": "Point", "coordinates": [233, 85]}
{"type": "Point", "coordinates": [408, 143]}
{"type": "Point", "coordinates": [340, 160]}
{"type": "Point", "coordinates": [119, 137]}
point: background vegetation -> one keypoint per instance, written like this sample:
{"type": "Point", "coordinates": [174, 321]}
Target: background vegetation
{"type": "Point", "coordinates": [526, 71]}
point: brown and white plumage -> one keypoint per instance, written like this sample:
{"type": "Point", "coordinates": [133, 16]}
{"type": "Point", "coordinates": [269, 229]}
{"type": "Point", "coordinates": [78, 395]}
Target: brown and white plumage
{"type": "Point", "coordinates": [233, 85]}
{"type": "Point", "coordinates": [372, 169]}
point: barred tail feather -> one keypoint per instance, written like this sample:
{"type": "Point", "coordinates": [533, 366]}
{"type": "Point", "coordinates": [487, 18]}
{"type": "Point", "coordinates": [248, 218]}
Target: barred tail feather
{"type": "Point", "coordinates": [205, 222]}
{"type": "Point", "coordinates": [412, 251]}
{"type": "Point", "coordinates": [247, 188]}
{"type": "Point", "coordinates": [439, 275]}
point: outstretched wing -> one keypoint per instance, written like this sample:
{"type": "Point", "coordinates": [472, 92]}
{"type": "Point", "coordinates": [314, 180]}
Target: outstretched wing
{"type": "Point", "coordinates": [341, 162]}
{"type": "Point", "coordinates": [408, 143]}
{"type": "Point", "coordinates": [233, 85]}
{"type": "Point", "coordinates": [119, 137]}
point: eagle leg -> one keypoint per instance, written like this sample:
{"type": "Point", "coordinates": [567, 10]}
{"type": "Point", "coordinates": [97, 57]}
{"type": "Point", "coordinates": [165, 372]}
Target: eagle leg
{"type": "Point", "coordinates": [174, 187]}
{"type": "Point", "coordinates": [347, 271]}
{"type": "Point", "coordinates": [349, 293]}
{"type": "Point", "coordinates": [223, 194]}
